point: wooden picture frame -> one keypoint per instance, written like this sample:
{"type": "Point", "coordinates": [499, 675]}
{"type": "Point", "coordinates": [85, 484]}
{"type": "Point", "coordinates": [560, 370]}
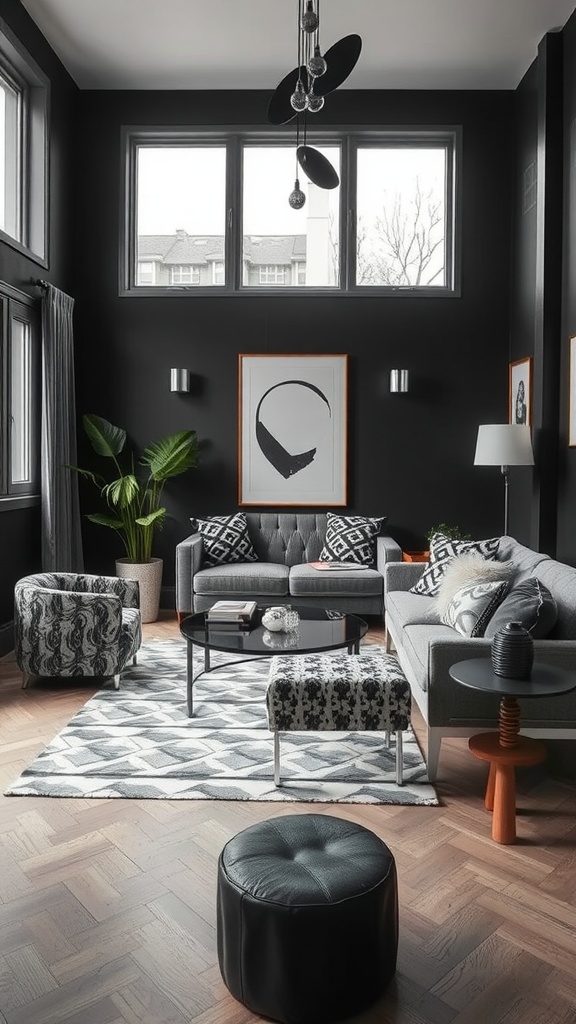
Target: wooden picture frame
{"type": "Point", "coordinates": [292, 429]}
{"type": "Point", "coordinates": [572, 393]}
{"type": "Point", "coordinates": [520, 391]}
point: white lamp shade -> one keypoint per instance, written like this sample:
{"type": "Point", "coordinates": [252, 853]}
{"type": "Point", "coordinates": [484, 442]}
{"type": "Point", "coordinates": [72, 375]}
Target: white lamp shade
{"type": "Point", "coordinates": [504, 444]}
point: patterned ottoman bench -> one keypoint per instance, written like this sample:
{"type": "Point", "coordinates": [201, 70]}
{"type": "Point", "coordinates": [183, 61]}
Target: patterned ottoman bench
{"type": "Point", "coordinates": [337, 693]}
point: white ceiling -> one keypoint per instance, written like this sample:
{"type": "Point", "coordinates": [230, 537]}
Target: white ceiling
{"type": "Point", "coordinates": [251, 44]}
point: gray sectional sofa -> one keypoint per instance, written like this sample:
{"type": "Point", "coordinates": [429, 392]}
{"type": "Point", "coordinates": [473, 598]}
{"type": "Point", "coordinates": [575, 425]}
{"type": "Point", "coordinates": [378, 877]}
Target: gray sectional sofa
{"type": "Point", "coordinates": [284, 543]}
{"type": "Point", "coordinates": [426, 649]}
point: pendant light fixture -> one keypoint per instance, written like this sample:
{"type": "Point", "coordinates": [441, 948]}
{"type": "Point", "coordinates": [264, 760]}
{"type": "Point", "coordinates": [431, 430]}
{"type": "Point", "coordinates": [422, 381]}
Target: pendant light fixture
{"type": "Point", "coordinates": [302, 91]}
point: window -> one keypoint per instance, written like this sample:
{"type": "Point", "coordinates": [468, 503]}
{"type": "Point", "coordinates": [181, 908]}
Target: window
{"type": "Point", "coordinates": [273, 233]}
{"type": "Point", "coordinates": [10, 155]}
{"type": "Point", "coordinates": [390, 225]}
{"type": "Point", "coordinates": [179, 216]}
{"type": "Point", "coordinates": [24, 95]}
{"type": "Point", "coordinates": [20, 370]}
{"type": "Point", "coordinates": [272, 275]}
{"type": "Point", "coordinates": [184, 275]}
{"type": "Point", "coordinates": [146, 273]}
{"type": "Point", "coordinates": [401, 216]}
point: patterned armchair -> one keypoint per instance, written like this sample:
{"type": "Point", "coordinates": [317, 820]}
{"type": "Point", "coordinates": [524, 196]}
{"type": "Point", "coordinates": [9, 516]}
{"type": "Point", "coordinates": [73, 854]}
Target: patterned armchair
{"type": "Point", "coordinates": [73, 624]}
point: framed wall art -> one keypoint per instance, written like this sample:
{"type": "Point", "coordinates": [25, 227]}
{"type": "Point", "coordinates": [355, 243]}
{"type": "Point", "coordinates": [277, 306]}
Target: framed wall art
{"type": "Point", "coordinates": [520, 391]}
{"type": "Point", "coordinates": [292, 429]}
{"type": "Point", "coordinates": [572, 395]}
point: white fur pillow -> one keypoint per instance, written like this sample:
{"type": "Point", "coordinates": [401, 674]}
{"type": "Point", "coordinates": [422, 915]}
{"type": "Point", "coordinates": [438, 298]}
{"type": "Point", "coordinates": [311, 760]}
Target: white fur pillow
{"type": "Point", "coordinates": [470, 567]}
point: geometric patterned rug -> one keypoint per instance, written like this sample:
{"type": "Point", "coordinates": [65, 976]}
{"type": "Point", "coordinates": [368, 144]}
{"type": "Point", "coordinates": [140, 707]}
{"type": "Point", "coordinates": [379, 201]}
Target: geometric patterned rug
{"type": "Point", "coordinates": [138, 742]}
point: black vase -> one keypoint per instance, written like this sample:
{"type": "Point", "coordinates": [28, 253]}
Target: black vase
{"type": "Point", "coordinates": [512, 652]}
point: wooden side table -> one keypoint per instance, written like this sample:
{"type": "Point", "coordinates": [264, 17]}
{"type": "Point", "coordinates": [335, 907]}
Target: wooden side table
{"type": "Point", "coordinates": [506, 749]}
{"type": "Point", "coordinates": [415, 556]}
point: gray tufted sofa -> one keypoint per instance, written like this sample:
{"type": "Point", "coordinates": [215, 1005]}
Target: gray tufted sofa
{"type": "Point", "coordinates": [284, 543]}
{"type": "Point", "coordinates": [426, 649]}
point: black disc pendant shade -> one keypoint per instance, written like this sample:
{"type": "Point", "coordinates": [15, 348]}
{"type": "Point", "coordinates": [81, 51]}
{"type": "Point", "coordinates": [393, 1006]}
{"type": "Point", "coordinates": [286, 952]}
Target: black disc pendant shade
{"type": "Point", "coordinates": [280, 110]}
{"type": "Point", "coordinates": [341, 60]}
{"type": "Point", "coordinates": [317, 168]}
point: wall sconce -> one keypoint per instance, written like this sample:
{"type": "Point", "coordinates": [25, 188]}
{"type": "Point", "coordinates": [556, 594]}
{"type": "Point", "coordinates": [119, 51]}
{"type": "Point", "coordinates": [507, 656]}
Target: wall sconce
{"type": "Point", "coordinates": [179, 380]}
{"type": "Point", "coordinates": [398, 380]}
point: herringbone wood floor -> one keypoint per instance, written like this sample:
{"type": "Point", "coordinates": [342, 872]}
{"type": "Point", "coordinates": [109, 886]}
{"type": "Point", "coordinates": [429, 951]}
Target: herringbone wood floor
{"type": "Point", "coordinates": [107, 907]}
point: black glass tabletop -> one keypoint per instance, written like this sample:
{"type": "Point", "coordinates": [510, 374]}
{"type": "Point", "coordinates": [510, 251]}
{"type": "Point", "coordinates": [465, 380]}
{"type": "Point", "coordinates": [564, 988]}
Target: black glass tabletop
{"type": "Point", "coordinates": [319, 629]}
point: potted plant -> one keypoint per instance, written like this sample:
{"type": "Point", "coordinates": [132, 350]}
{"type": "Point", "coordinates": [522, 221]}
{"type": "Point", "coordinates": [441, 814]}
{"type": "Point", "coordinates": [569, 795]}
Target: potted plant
{"type": "Point", "coordinates": [136, 499]}
{"type": "Point", "coordinates": [453, 532]}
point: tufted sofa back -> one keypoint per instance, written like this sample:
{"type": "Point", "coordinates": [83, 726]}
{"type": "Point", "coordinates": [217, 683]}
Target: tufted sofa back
{"type": "Point", "coordinates": [287, 538]}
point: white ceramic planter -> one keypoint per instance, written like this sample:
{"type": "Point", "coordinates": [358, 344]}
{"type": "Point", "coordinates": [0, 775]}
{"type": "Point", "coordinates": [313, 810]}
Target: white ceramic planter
{"type": "Point", "coordinates": [149, 576]}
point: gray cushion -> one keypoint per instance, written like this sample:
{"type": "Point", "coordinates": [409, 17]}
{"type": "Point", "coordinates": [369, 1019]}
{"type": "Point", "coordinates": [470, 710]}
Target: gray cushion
{"type": "Point", "coordinates": [405, 608]}
{"type": "Point", "coordinates": [561, 582]}
{"type": "Point", "coordinates": [243, 578]}
{"type": "Point", "coordinates": [530, 603]}
{"type": "Point", "coordinates": [225, 539]}
{"type": "Point", "coordinates": [306, 581]}
{"type": "Point", "coordinates": [351, 539]}
{"type": "Point", "coordinates": [442, 551]}
{"type": "Point", "coordinates": [470, 609]}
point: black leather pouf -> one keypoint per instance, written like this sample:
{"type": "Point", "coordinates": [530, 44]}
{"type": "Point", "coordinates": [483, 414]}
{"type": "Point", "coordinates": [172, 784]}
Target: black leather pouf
{"type": "Point", "coordinates": [307, 918]}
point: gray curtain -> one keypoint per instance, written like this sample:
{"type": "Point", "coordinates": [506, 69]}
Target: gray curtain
{"type": "Point", "coordinates": [61, 532]}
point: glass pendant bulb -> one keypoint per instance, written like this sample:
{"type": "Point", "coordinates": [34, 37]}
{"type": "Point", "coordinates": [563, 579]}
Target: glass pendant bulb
{"type": "Point", "coordinates": [299, 98]}
{"type": "Point", "coordinates": [317, 65]}
{"type": "Point", "coordinates": [309, 21]}
{"type": "Point", "coordinates": [296, 199]}
{"type": "Point", "coordinates": [315, 103]}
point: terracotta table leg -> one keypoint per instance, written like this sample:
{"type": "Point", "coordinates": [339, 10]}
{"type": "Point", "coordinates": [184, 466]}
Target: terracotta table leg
{"type": "Point", "coordinates": [490, 787]}
{"type": "Point", "coordinates": [501, 788]}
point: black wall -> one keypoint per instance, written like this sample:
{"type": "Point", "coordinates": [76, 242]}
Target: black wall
{"type": "Point", "coordinates": [566, 537]}
{"type": "Point", "coordinates": [20, 529]}
{"type": "Point", "coordinates": [410, 456]}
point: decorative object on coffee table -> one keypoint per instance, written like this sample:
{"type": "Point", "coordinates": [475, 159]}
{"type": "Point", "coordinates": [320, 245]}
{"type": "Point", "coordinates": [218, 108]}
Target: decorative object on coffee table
{"type": "Point", "coordinates": [506, 749]}
{"type": "Point", "coordinates": [512, 652]}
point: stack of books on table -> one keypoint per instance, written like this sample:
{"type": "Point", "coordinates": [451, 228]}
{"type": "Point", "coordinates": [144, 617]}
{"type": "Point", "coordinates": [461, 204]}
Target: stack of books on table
{"type": "Point", "coordinates": [231, 615]}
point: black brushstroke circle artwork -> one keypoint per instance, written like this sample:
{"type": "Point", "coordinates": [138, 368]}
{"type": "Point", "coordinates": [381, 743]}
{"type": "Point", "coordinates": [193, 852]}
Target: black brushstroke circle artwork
{"type": "Point", "coordinates": [273, 447]}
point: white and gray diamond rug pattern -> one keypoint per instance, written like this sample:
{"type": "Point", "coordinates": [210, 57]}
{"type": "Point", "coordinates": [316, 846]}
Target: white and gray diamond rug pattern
{"type": "Point", "coordinates": [138, 742]}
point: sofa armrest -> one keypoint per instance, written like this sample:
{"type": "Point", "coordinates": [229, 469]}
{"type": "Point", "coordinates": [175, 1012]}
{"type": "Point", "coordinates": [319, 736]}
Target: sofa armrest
{"type": "Point", "coordinates": [387, 550]}
{"type": "Point", "coordinates": [188, 562]}
{"type": "Point", "coordinates": [402, 575]}
{"type": "Point", "coordinates": [558, 653]}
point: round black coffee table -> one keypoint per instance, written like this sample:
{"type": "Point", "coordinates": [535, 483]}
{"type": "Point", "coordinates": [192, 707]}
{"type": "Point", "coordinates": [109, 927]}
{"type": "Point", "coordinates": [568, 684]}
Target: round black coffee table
{"type": "Point", "coordinates": [320, 629]}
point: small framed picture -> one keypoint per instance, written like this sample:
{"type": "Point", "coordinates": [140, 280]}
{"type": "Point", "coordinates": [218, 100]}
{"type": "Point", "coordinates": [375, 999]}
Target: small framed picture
{"type": "Point", "coordinates": [520, 391]}
{"type": "Point", "coordinates": [572, 395]}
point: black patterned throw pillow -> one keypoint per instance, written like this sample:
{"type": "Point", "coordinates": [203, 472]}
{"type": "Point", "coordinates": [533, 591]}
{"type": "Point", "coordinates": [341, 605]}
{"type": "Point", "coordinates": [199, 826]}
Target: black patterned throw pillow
{"type": "Point", "coordinates": [442, 551]}
{"type": "Point", "coordinates": [351, 539]}
{"type": "Point", "coordinates": [225, 539]}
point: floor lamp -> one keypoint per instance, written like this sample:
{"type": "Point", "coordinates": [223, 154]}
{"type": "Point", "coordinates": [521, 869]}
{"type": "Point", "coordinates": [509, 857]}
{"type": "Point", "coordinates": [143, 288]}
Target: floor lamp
{"type": "Point", "coordinates": [504, 445]}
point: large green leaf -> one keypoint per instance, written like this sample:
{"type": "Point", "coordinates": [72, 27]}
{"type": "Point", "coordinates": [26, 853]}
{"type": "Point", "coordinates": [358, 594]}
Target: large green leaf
{"type": "Point", "coordinates": [122, 492]}
{"type": "Point", "coordinates": [153, 518]}
{"type": "Point", "coordinates": [105, 438]}
{"type": "Point", "coordinates": [172, 456]}
{"type": "Point", "coordinates": [115, 524]}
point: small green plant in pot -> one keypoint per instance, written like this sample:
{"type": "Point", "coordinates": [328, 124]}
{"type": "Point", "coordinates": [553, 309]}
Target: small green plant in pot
{"type": "Point", "coordinates": [135, 499]}
{"type": "Point", "coordinates": [452, 532]}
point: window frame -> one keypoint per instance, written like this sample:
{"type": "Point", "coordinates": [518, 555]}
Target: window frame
{"type": "Point", "coordinates": [16, 306]}
{"type": "Point", "coordinates": [349, 139]}
{"type": "Point", "coordinates": [33, 85]}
